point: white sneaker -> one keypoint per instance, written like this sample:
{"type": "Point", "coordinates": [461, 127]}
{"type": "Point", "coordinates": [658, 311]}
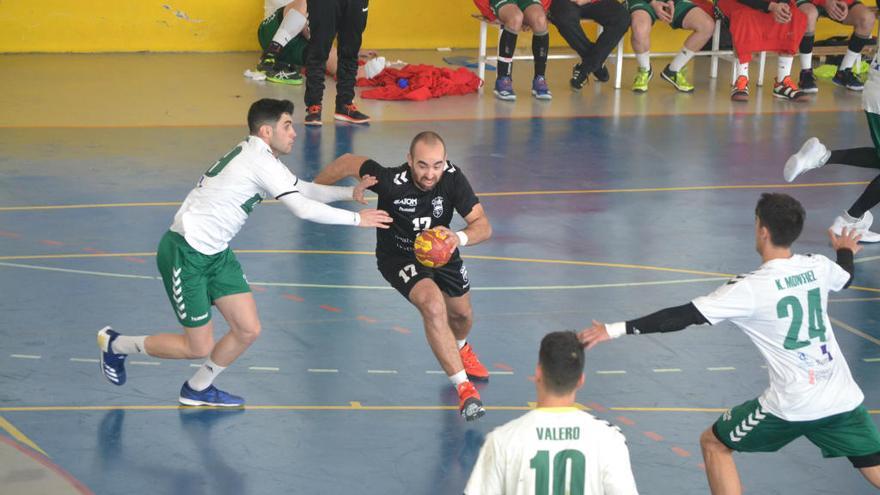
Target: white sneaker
{"type": "Point", "coordinates": [812, 154]}
{"type": "Point", "coordinates": [860, 225]}
{"type": "Point", "coordinates": [374, 66]}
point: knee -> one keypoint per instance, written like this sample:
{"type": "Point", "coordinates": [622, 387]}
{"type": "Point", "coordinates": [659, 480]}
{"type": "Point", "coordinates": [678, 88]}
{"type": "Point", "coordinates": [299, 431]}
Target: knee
{"type": "Point", "coordinates": [461, 318]}
{"type": "Point", "coordinates": [539, 23]}
{"type": "Point", "coordinates": [865, 23]}
{"type": "Point", "coordinates": [514, 22]}
{"type": "Point", "coordinates": [706, 25]}
{"type": "Point", "coordinates": [641, 29]}
{"type": "Point", "coordinates": [199, 348]}
{"type": "Point", "coordinates": [248, 333]}
{"type": "Point", "coordinates": [432, 309]}
{"type": "Point", "coordinates": [710, 443]}
{"type": "Point", "coordinates": [812, 15]}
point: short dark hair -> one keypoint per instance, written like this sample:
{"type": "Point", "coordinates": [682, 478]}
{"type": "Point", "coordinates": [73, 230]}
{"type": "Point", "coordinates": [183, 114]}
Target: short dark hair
{"type": "Point", "coordinates": [429, 137]}
{"type": "Point", "coordinates": [782, 215]}
{"type": "Point", "coordinates": [562, 361]}
{"type": "Point", "coordinates": [267, 111]}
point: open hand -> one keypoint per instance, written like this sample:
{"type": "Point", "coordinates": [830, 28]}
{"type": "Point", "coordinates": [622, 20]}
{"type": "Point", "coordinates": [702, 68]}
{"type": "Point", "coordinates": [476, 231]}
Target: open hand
{"type": "Point", "coordinates": [848, 239]}
{"type": "Point", "coordinates": [375, 218]}
{"type": "Point", "coordinates": [365, 183]}
{"type": "Point", "coordinates": [589, 337]}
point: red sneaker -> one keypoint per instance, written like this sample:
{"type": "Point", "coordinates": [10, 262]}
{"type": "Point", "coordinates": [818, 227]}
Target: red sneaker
{"type": "Point", "coordinates": [472, 365]}
{"type": "Point", "coordinates": [469, 404]}
{"type": "Point", "coordinates": [740, 91]}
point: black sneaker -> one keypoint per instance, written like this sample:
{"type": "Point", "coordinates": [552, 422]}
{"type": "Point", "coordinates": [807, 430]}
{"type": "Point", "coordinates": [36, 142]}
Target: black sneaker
{"type": "Point", "coordinates": [807, 81]}
{"type": "Point", "coordinates": [601, 74]}
{"type": "Point", "coordinates": [846, 79]}
{"type": "Point", "coordinates": [284, 74]}
{"type": "Point", "coordinates": [313, 115]}
{"type": "Point", "coordinates": [350, 113]}
{"type": "Point", "coordinates": [267, 62]}
{"type": "Point", "coordinates": [579, 76]}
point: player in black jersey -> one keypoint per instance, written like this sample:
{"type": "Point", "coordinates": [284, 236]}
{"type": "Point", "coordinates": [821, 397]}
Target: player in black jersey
{"type": "Point", "coordinates": [419, 195]}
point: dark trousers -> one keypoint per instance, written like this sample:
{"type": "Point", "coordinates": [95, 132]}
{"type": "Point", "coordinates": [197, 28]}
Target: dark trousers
{"type": "Point", "coordinates": [327, 19]}
{"type": "Point", "coordinates": [610, 14]}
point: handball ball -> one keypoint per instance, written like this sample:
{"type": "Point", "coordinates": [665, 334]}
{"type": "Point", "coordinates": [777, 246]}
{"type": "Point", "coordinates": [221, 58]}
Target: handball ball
{"type": "Point", "coordinates": [431, 248]}
{"type": "Point", "coordinates": [403, 83]}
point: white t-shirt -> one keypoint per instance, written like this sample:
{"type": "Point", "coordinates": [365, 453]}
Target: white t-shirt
{"type": "Point", "coordinates": [871, 93]}
{"type": "Point", "coordinates": [272, 5]}
{"type": "Point", "coordinates": [782, 307]}
{"type": "Point", "coordinates": [553, 445]}
{"type": "Point", "coordinates": [217, 208]}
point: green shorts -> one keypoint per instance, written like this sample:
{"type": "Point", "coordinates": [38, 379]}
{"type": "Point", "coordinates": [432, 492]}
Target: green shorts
{"type": "Point", "coordinates": [874, 128]}
{"type": "Point", "coordinates": [682, 7]}
{"type": "Point", "coordinates": [824, 13]}
{"type": "Point", "coordinates": [294, 53]}
{"type": "Point", "coordinates": [496, 5]}
{"type": "Point", "coordinates": [194, 280]}
{"type": "Point", "coordinates": [748, 428]}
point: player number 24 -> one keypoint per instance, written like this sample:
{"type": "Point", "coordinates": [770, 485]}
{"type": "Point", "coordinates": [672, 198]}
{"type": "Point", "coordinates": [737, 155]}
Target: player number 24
{"type": "Point", "coordinates": [791, 306]}
{"type": "Point", "coordinates": [562, 462]}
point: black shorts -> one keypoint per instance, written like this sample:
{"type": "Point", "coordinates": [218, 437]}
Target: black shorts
{"type": "Point", "coordinates": [403, 273]}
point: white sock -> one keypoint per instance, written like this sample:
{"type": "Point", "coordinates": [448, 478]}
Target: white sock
{"type": "Point", "coordinates": [125, 344]}
{"type": "Point", "coordinates": [458, 378]}
{"type": "Point", "coordinates": [292, 24]}
{"type": "Point", "coordinates": [681, 59]}
{"type": "Point", "coordinates": [849, 60]}
{"type": "Point", "coordinates": [742, 69]}
{"type": "Point", "coordinates": [644, 60]}
{"type": "Point", "coordinates": [806, 60]}
{"type": "Point", "coordinates": [461, 343]}
{"type": "Point", "coordinates": [783, 70]}
{"type": "Point", "coordinates": [205, 375]}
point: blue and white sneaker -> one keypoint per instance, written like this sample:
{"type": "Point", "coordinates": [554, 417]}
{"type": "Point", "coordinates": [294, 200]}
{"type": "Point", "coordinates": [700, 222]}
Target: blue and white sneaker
{"type": "Point", "coordinates": [540, 90]}
{"type": "Point", "coordinates": [112, 364]}
{"type": "Point", "coordinates": [211, 396]}
{"type": "Point", "coordinates": [504, 89]}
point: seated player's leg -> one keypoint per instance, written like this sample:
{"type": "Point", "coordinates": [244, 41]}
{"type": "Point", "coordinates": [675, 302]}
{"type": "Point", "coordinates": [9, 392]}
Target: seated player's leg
{"type": "Point", "coordinates": [784, 87]}
{"type": "Point", "coordinates": [535, 17]}
{"type": "Point", "coordinates": [566, 17]}
{"type": "Point", "coordinates": [275, 34]}
{"type": "Point", "coordinates": [642, 18]}
{"type": "Point", "coordinates": [511, 17]}
{"type": "Point", "coordinates": [688, 16]}
{"type": "Point", "coordinates": [807, 81]}
{"type": "Point", "coordinates": [862, 20]}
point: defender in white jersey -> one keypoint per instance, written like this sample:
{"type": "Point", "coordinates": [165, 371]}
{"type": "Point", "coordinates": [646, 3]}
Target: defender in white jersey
{"type": "Point", "coordinates": [557, 448]}
{"type": "Point", "coordinates": [782, 308]}
{"type": "Point", "coordinates": [814, 154]}
{"type": "Point", "coordinates": [200, 270]}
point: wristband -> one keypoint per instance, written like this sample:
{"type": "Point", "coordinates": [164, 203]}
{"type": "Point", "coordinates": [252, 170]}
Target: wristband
{"type": "Point", "coordinates": [616, 330]}
{"type": "Point", "coordinates": [462, 238]}
{"type": "Point", "coordinates": [357, 218]}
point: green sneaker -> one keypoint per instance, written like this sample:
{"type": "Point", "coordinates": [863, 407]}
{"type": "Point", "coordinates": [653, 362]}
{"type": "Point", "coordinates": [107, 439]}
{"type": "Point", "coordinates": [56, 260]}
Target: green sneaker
{"type": "Point", "coordinates": [677, 79]}
{"type": "Point", "coordinates": [267, 63]}
{"type": "Point", "coordinates": [285, 74]}
{"type": "Point", "coordinates": [640, 83]}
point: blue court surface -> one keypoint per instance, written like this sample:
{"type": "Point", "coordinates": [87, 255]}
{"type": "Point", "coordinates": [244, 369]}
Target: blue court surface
{"type": "Point", "coordinates": [602, 218]}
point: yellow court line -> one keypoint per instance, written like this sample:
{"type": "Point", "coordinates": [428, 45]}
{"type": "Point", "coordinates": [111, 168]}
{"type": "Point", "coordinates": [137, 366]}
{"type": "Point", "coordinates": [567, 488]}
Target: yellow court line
{"type": "Point", "coordinates": [559, 192]}
{"type": "Point", "coordinates": [21, 437]}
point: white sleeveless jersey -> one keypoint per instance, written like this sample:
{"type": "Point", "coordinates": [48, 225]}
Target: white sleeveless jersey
{"type": "Point", "coordinates": [553, 450]}
{"type": "Point", "coordinates": [782, 308]}
{"type": "Point", "coordinates": [214, 212]}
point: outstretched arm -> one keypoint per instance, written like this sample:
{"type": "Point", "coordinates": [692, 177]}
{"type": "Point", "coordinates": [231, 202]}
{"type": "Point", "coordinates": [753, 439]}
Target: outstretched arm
{"type": "Point", "coordinates": [347, 165]}
{"type": "Point", "coordinates": [315, 211]}
{"type": "Point", "coordinates": [666, 320]}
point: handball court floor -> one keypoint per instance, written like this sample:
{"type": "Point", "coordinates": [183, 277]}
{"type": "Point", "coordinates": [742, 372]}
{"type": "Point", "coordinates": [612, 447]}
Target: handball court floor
{"type": "Point", "coordinates": [605, 205]}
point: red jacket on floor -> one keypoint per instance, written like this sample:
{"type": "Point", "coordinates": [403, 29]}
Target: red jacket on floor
{"type": "Point", "coordinates": [422, 82]}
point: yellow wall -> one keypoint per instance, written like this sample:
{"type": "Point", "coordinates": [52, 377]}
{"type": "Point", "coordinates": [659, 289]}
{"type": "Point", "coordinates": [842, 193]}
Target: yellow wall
{"type": "Point", "coordinates": [230, 25]}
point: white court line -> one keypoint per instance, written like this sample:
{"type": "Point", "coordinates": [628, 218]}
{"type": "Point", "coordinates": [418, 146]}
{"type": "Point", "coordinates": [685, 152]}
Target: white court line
{"type": "Point", "coordinates": [667, 370]}
{"type": "Point", "coordinates": [25, 356]}
{"type": "Point", "coordinates": [871, 360]}
{"type": "Point", "coordinates": [854, 330]}
{"type": "Point", "coordinates": [145, 363]}
{"type": "Point", "coordinates": [263, 368]}
{"type": "Point", "coordinates": [866, 259]}
{"type": "Point", "coordinates": [500, 372]}
{"type": "Point", "coordinates": [611, 372]}
{"type": "Point", "coordinates": [384, 287]}
{"type": "Point", "coordinates": [322, 370]}
{"type": "Point", "coordinates": [194, 365]}
{"type": "Point", "coordinates": [435, 372]}
{"type": "Point", "coordinates": [722, 368]}
{"type": "Point", "coordinates": [382, 372]}
{"type": "Point", "coordinates": [84, 360]}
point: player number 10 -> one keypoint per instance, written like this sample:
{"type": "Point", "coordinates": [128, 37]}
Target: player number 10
{"type": "Point", "coordinates": [561, 462]}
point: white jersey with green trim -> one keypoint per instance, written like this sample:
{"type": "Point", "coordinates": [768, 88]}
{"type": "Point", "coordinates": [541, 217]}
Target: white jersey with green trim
{"type": "Point", "coordinates": [871, 93]}
{"type": "Point", "coordinates": [553, 450]}
{"type": "Point", "coordinates": [214, 212]}
{"type": "Point", "coordinates": [782, 308]}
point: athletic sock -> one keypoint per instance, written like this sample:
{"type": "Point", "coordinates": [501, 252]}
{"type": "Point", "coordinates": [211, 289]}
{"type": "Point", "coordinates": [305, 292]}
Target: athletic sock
{"type": "Point", "coordinates": [869, 199]}
{"type": "Point", "coordinates": [292, 24]}
{"type": "Point", "coordinates": [458, 378]}
{"type": "Point", "coordinates": [681, 59]}
{"type": "Point", "coordinates": [205, 375]}
{"type": "Point", "coordinates": [742, 69]}
{"type": "Point", "coordinates": [540, 47]}
{"type": "Point", "coordinates": [644, 60]}
{"type": "Point", "coordinates": [506, 47]}
{"type": "Point", "coordinates": [806, 51]}
{"type": "Point", "coordinates": [461, 343]}
{"type": "Point", "coordinates": [126, 344]}
{"type": "Point", "coordinates": [783, 69]}
{"type": "Point", "coordinates": [853, 51]}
